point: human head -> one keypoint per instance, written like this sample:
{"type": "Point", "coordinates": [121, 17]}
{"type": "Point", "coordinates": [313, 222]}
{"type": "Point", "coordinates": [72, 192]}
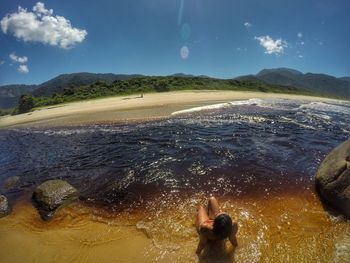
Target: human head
{"type": "Point", "coordinates": [222, 227]}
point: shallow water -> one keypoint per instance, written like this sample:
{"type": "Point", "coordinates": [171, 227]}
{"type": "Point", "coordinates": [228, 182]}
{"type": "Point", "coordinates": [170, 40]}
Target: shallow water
{"type": "Point", "coordinates": [141, 183]}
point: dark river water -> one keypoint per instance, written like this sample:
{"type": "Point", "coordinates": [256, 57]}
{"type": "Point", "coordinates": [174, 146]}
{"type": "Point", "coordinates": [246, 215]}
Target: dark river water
{"type": "Point", "coordinates": [254, 147]}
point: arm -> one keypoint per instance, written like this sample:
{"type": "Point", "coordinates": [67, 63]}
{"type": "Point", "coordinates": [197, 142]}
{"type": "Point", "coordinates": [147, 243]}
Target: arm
{"type": "Point", "coordinates": [233, 240]}
{"type": "Point", "coordinates": [202, 242]}
{"type": "Point", "coordinates": [232, 237]}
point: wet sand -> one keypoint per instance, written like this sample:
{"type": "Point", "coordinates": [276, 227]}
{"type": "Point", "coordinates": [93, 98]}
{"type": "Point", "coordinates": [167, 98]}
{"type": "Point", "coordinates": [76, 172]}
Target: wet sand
{"type": "Point", "coordinates": [281, 228]}
{"type": "Point", "coordinates": [131, 108]}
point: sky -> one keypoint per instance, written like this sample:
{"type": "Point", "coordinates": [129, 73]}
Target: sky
{"type": "Point", "coordinates": [222, 39]}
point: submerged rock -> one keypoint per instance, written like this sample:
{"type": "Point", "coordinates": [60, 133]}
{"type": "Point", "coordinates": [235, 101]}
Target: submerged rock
{"type": "Point", "coordinates": [11, 183]}
{"type": "Point", "coordinates": [4, 206]}
{"type": "Point", "coordinates": [333, 178]}
{"type": "Point", "coordinates": [51, 195]}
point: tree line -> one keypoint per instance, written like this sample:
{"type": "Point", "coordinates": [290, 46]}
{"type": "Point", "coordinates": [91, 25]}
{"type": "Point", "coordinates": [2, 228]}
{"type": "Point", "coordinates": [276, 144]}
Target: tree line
{"type": "Point", "coordinates": [143, 85]}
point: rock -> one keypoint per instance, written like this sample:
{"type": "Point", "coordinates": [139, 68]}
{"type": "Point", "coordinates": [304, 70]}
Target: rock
{"type": "Point", "coordinates": [145, 228]}
{"type": "Point", "coordinates": [4, 206]}
{"type": "Point", "coordinates": [51, 195]}
{"type": "Point", "coordinates": [11, 182]}
{"type": "Point", "coordinates": [333, 179]}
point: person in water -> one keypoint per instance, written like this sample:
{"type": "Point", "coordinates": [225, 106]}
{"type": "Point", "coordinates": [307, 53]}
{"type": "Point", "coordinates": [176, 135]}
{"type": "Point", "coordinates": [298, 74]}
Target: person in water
{"type": "Point", "coordinates": [214, 225]}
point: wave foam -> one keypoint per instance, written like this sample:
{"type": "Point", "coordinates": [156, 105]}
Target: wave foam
{"type": "Point", "coordinates": [220, 106]}
{"type": "Point", "coordinates": [326, 107]}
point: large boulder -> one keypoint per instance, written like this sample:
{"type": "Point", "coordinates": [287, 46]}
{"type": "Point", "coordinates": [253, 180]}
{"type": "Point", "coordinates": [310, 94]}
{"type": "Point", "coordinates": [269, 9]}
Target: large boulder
{"type": "Point", "coordinates": [51, 195]}
{"type": "Point", "coordinates": [333, 179]}
{"type": "Point", "coordinates": [4, 206]}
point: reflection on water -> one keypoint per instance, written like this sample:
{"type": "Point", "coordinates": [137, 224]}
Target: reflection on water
{"type": "Point", "coordinates": [141, 184]}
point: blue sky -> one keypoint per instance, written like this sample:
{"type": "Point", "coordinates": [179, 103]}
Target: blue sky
{"type": "Point", "coordinates": [221, 39]}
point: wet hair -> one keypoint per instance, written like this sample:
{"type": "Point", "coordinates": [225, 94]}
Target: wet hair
{"type": "Point", "coordinates": [222, 227]}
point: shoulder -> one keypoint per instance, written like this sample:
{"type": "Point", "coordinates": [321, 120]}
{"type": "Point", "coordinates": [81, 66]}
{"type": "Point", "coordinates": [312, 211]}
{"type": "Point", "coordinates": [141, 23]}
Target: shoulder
{"type": "Point", "coordinates": [205, 227]}
{"type": "Point", "coordinates": [234, 226]}
{"type": "Point", "coordinates": [206, 230]}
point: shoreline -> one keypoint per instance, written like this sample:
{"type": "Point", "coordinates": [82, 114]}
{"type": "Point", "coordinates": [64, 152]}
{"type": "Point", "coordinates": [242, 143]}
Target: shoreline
{"type": "Point", "coordinates": [133, 108]}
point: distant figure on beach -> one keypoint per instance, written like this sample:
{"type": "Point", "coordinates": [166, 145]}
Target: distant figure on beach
{"type": "Point", "coordinates": [214, 225]}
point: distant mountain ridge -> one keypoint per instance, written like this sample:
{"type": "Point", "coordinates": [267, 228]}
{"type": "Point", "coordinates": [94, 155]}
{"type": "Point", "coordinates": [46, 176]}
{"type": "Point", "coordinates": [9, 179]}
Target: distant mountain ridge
{"type": "Point", "coordinates": [345, 78]}
{"type": "Point", "coordinates": [183, 75]}
{"type": "Point", "coordinates": [10, 94]}
{"type": "Point", "coordinates": [60, 82]}
{"type": "Point", "coordinates": [321, 83]}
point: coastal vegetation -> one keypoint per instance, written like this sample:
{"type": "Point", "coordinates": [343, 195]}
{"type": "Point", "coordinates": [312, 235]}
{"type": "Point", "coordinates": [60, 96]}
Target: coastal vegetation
{"type": "Point", "coordinates": [80, 86]}
{"type": "Point", "coordinates": [140, 85]}
{"type": "Point", "coordinates": [4, 112]}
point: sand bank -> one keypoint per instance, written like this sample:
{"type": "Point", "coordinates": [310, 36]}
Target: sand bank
{"type": "Point", "coordinates": [131, 108]}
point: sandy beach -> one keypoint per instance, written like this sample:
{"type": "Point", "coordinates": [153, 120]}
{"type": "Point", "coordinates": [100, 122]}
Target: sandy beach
{"type": "Point", "coordinates": [131, 108]}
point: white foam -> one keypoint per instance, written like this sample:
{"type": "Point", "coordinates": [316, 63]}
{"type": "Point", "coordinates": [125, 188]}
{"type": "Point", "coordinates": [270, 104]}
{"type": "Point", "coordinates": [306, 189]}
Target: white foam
{"type": "Point", "coordinates": [342, 250]}
{"type": "Point", "coordinates": [220, 106]}
{"type": "Point", "coordinates": [326, 107]}
{"type": "Point", "coordinates": [289, 120]}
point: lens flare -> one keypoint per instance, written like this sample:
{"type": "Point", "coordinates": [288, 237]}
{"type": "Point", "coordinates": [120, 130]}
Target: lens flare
{"type": "Point", "coordinates": [185, 31]}
{"type": "Point", "coordinates": [184, 52]}
{"type": "Point", "coordinates": [179, 18]}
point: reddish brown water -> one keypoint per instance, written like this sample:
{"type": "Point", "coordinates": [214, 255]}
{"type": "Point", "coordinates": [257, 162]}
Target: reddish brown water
{"type": "Point", "coordinates": [282, 228]}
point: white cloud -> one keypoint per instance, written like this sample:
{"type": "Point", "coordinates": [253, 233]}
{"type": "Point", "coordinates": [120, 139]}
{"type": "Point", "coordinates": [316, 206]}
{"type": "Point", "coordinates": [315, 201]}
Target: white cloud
{"type": "Point", "coordinates": [41, 26]}
{"type": "Point", "coordinates": [247, 24]}
{"type": "Point", "coordinates": [21, 60]}
{"type": "Point", "coordinates": [2, 62]}
{"type": "Point", "coordinates": [302, 43]}
{"type": "Point", "coordinates": [23, 69]}
{"type": "Point", "coordinates": [272, 46]}
{"type": "Point", "coordinates": [300, 35]}
{"type": "Point", "coordinates": [40, 8]}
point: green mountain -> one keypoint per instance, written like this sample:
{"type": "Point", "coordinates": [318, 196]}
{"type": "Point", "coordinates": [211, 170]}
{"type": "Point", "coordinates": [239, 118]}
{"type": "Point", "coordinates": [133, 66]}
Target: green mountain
{"type": "Point", "coordinates": [58, 84]}
{"type": "Point", "coordinates": [279, 78]}
{"type": "Point", "coordinates": [320, 83]}
{"type": "Point", "coordinates": [345, 78]}
{"type": "Point", "coordinates": [10, 94]}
